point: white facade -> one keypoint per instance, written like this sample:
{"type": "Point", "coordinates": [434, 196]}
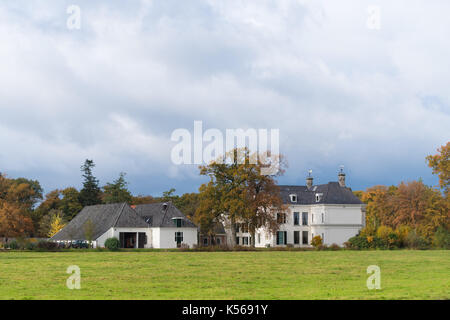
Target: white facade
{"type": "Point", "coordinates": [335, 224]}
{"type": "Point", "coordinates": [158, 238]}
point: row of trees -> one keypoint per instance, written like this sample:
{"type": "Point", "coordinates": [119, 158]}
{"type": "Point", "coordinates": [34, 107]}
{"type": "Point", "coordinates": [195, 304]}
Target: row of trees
{"type": "Point", "coordinates": [236, 192]}
{"type": "Point", "coordinates": [410, 214]}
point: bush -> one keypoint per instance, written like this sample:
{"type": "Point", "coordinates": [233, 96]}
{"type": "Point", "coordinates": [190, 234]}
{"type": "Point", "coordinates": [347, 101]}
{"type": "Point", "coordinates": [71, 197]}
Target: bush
{"type": "Point", "coordinates": [334, 247]}
{"type": "Point", "coordinates": [414, 241]}
{"type": "Point", "coordinates": [316, 241]}
{"type": "Point", "coordinates": [46, 245]}
{"type": "Point", "coordinates": [13, 245]}
{"type": "Point", "coordinates": [441, 238]}
{"type": "Point", "coordinates": [30, 246]}
{"type": "Point", "coordinates": [112, 244]}
{"type": "Point", "coordinates": [359, 242]}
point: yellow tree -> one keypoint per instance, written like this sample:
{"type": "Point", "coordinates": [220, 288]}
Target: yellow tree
{"type": "Point", "coordinates": [56, 224]}
{"type": "Point", "coordinates": [440, 163]}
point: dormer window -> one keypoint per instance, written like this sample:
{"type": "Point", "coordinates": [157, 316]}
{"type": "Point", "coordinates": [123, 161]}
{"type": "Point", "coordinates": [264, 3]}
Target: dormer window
{"type": "Point", "coordinates": [178, 222]}
{"type": "Point", "coordinates": [293, 197]}
{"type": "Point", "coordinates": [319, 197]}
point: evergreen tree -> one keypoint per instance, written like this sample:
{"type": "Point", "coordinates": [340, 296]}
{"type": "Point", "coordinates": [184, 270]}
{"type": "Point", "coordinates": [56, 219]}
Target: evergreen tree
{"type": "Point", "coordinates": [117, 191]}
{"type": "Point", "coordinates": [91, 193]}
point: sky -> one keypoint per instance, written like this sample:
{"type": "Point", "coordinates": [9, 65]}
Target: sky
{"type": "Point", "coordinates": [343, 84]}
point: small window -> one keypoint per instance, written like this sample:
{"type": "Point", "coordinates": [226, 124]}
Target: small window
{"type": "Point", "coordinates": [178, 237]}
{"type": "Point", "coordinates": [281, 237]}
{"type": "Point", "coordinates": [218, 241]}
{"type": "Point", "coordinates": [296, 218]}
{"type": "Point", "coordinates": [305, 237]}
{"type": "Point", "coordinates": [319, 197]}
{"type": "Point", "coordinates": [205, 241]}
{"type": "Point", "coordinates": [281, 217]}
{"type": "Point", "coordinates": [293, 197]}
{"type": "Point", "coordinates": [149, 220]}
{"type": "Point", "coordinates": [178, 222]}
{"type": "Point", "coordinates": [237, 240]}
{"type": "Point", "coordinates": [259, 238]}
{"type": "Point", "coordinates": [304, 218]}
{"type": "Point", "coordinates": [245, 240]}
{"type": "Point", "coordinates": [296, 237]}
{"type": "Point", "coordinates": [322, 217]}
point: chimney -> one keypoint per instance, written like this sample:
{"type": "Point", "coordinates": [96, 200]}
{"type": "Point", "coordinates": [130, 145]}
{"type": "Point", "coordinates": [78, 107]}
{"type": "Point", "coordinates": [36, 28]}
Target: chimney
{"type": "Point", "coordinates": [309, 180]}
{"type": "Point", "coordinates": [341, 177]}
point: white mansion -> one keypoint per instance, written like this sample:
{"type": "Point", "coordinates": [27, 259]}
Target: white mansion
{"type": "Point", "coordinates": [330, 210]}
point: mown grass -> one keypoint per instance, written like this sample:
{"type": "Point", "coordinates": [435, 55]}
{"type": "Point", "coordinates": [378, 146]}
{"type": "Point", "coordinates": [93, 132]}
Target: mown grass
{"type": "Point", "coordinates": [405, 274]}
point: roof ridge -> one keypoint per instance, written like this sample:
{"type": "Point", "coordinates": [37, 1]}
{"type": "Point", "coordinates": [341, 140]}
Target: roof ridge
{"type": "Point", "coordinates": [118, 216]}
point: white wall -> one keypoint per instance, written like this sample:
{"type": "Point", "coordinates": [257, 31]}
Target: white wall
{"type": "Point", "coordinates": [167, 237]}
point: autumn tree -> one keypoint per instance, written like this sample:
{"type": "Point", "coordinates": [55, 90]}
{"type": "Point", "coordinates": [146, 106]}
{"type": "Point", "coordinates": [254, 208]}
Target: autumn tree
{"type": "Point", "coordinates": [117, 191]}
{"type": "Point", "coordinates": [440, 163]}
{"type": "Point", "coordinates": [13, 221]}
{"type": "Point", "coordinates": [90, 194]}
{"type": "Point", "coordinates": [56, 222]}
{"type": "Point", "coordinates": [70, 204]}
{"type": "Point", "coordinates": [238, 191]}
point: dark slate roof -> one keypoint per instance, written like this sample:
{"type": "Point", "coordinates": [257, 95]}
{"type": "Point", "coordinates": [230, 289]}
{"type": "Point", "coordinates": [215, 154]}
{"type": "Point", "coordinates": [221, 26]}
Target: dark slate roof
{"type": "Point", "coordinates": [160, 217]}
{"type": "Point", "coordinates": [103, 218]}
{"type": "Point", "coordinates": [332, 193]}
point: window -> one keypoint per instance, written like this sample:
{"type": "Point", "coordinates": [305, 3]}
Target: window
{"type": "Point", "coordinates": [323, 239]}
{"type": "Point", "coordinates": [293, 197]}
{"type": "Point", "coordinates": [281, 217]}
{"type": "Point", "coordinates": [237, 240]}
{"type": "Point", "coordinates": [305, 237]}
{"type": "Point", "coordinates": [304, 218]}
{"type": "Point", "coordinates": [244, 228]}
{"type": "Point", "coordinates": [281, 237]}
{"type": "Point", "coordinates": [218, 241]}
{"type": "Point", "coordinates": [296, 237]}
{"type": "Point", "coordinates": [319, 197]}
{"type": "Point", "coordinates": [296, 218]}
{"type": "Point", "coordinates": [245, 240]}
{"type": "Point", "coordinates": [205, 241]}
{"type": "Point", "coordinates": [178, 237]}
{"type": "Point", "coordinates": [312, 218]}
{"type": "Point", "coordinates": [178, 222]}
{"type": "Point", "coordinates": [237, 227]}
{"type": "Point", "coordinates": [149, 220]}
{"type": "Point", "coordinates": [259, 238]}
{"type": "Point", "coordinates": [322, 217]}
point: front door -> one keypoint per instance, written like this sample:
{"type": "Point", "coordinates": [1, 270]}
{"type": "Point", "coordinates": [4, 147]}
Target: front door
{"type": "Point", "coordinates": [142, 240]}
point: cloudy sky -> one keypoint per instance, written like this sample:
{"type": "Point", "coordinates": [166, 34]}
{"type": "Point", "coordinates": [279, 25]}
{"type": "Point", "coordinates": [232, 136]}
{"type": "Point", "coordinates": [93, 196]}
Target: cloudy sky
{"type": "Point", "coordinates": [339, 89]}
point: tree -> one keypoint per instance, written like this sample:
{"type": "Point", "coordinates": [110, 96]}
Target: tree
{"type": "Point", "coordinates": [91, 193]}
{"type": "Point", "coordinates": [117, 191]}
{"type": "Point", "coordinates": [440, 163]}
{"type": "Point", "coordinates": [13, 222]}
{"type": "Point", "coordinates": [239, 192]}
{"type": "Point", "coordinates": [70, 203]}
{"type": "Point", "coordinates": [89, 229]}
{"type": "Point", "coordinates": [56, 223]}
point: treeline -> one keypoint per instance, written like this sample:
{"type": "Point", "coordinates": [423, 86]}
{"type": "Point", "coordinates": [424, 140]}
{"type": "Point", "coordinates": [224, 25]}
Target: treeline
{"type": "Point", "coordinates": [25, 212]}
{"type": "Point", "coordinates": [410, 214]}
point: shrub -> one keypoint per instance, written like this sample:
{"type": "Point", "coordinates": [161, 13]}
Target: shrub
{"type": "Point", "coordinates": [415, 241]}
{"type": "Point", "coordinates": [441, 238]}
{"type": "Point", "coordinates": [13, 245]}
{"type": "Point", "coordinates": [359, 242]}
{"type": "Point", "coordinates": [30, 246]}
{"type": "Point", "coordinates": [316, 241]}
{"type": "Point", "coordinates": [46, 245]}
{"type": "Point", "coordinates": [334, 247]}
{"type": "Point", "coordinates": [112, 244]}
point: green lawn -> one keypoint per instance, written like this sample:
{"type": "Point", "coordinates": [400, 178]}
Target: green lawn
{"type": "Point", "coordinates": [226, 275]}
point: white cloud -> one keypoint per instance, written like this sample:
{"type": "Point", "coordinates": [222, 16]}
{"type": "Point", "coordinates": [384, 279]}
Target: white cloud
{"type": "Point", "coordinates": [339, 92]}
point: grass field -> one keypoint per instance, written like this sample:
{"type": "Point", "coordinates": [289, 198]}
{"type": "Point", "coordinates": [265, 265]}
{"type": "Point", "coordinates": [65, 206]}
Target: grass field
{"type": "Point", "coordinates": [226, 275]}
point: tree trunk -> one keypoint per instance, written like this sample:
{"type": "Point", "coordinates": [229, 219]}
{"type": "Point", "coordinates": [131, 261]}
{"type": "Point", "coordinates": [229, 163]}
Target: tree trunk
{"type": "Point", "coordinates": [233, 232]}
{"type": "Point", "coordinates": [252, 239]}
